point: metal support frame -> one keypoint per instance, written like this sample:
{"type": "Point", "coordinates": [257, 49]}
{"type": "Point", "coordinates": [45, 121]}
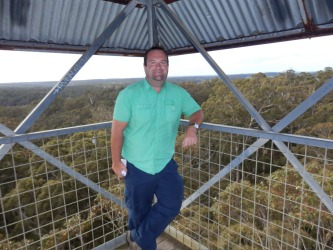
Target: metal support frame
{"type": "Point", "coordinates": [152, 27]}
{"type": "Point", "coordinates": [255, 114]}
{"type": "Point", "coordinates": [153, 39]}
{"type": "Point", "coordinates": [56, 90]}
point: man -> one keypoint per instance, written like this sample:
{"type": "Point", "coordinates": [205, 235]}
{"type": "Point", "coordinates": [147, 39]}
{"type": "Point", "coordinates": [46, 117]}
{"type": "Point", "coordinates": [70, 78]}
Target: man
{"type": "Point", "coordinates": [144, 129]}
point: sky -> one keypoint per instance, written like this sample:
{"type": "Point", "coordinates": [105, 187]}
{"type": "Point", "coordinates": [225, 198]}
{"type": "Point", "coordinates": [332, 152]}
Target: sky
{"type": "Point", "coordinates": [306, 55]}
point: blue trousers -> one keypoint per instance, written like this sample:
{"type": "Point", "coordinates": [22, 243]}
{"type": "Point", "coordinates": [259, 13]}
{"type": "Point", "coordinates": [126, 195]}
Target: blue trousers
{"type": "Point", "coordinates": [147, 220]}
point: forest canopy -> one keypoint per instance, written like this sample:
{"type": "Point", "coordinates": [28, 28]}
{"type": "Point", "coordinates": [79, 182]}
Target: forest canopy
{"type": "Point", "coordinates": [273, 97]}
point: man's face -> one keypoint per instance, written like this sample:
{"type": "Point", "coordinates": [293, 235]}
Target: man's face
{"type": "Point", "coordinates": [157, 66]}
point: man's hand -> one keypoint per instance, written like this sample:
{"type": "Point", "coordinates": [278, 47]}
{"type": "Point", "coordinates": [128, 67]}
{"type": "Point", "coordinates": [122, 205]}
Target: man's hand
{"type": "Point", "coordinates": [118, 167]}
{"type": "Point", "coordinates": [117, 138]}
{"type": "Point", "coordinates": [190, 137]}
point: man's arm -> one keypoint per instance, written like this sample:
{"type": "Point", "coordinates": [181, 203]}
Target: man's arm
{"type": "Point", "coordinates": [190, 137]}
{"type": "Point", "coordinates": [117, 138]}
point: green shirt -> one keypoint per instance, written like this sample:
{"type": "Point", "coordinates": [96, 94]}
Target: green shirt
{"type": "Point", "coordinates": [153, 120]}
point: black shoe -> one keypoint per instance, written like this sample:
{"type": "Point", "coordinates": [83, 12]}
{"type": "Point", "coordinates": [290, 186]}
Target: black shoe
{"type": "Point", "coordinates": [132, 244]}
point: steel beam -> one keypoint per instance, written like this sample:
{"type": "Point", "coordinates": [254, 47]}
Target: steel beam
{"type": "Point", "coordinates": [248, 106]}
{"type": "Point", "coordinates": [152, 24]}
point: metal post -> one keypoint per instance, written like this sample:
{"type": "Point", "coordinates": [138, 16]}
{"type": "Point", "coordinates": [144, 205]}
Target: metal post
{"type": "Point", "coordinates": [152, 24]}
{"type": "Point", "coordinates": [253, 112]}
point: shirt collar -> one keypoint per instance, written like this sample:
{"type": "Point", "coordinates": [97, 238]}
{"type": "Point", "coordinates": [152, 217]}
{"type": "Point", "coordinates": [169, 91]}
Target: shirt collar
{"type": "Point", "coordinates": [148, 86]}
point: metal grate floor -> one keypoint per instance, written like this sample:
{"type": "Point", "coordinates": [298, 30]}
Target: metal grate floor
{"type": "Point", "coordinates": [164, 242]}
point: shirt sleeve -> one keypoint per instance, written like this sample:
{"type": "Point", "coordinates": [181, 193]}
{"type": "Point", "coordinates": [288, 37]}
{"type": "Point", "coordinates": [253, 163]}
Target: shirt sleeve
{"type": "Point", "coordinates": [190, 106]}
{"type": "Point", "coordinates": [122, 108]}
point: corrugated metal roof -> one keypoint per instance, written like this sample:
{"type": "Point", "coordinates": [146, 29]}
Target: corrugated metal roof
{"type": "Point", "coordinates": [73, 25]}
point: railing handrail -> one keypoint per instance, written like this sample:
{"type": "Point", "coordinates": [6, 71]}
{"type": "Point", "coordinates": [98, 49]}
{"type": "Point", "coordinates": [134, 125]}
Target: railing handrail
{"type": "Point", "coordinates": [298, 139]}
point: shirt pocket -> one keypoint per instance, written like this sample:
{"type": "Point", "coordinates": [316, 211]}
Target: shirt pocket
{"type": "Point", "coordinates": [142, 114]}
{"type": "Point", "coordinates": [171, 112]}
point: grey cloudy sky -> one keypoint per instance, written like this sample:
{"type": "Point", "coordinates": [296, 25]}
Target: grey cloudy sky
{"type": "Point", "coordinates": [301, 55]}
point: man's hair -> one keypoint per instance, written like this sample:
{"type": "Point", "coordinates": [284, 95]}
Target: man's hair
{"type": "Point", "coordinates": [154, 48]}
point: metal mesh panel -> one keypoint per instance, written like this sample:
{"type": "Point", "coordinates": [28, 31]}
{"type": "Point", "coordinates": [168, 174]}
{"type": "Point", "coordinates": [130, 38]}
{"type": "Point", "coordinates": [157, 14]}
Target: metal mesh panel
{"type": "Point", "coordinates": [44, 208]}
{"type": "Point", "coordinates": [264, 203]}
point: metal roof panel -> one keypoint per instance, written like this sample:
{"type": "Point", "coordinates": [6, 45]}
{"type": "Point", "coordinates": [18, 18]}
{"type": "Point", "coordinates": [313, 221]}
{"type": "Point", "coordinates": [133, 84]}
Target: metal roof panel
{"type": "Point", "coordinates": [72, 25]}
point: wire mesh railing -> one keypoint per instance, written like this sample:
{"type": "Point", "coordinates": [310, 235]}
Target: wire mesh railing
{"type": "Point", "coordinates": [263, 203]}
{"type": "Point", "coordinates": [45, 207]}
{"type": "Point", "coordinates": [58, 191]}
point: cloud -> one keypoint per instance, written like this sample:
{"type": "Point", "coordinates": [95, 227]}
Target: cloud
{"type": "Point", "coordinates": [300, 55]}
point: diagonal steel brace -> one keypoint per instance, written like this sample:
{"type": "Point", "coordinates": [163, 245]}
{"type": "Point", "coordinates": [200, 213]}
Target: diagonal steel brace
{"type": "Point", "coordinates": [298, 111]}
{"type": "Point", "coordinates": [60, 165]}
{"type": "Point", "coordinates": [55, 91]}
